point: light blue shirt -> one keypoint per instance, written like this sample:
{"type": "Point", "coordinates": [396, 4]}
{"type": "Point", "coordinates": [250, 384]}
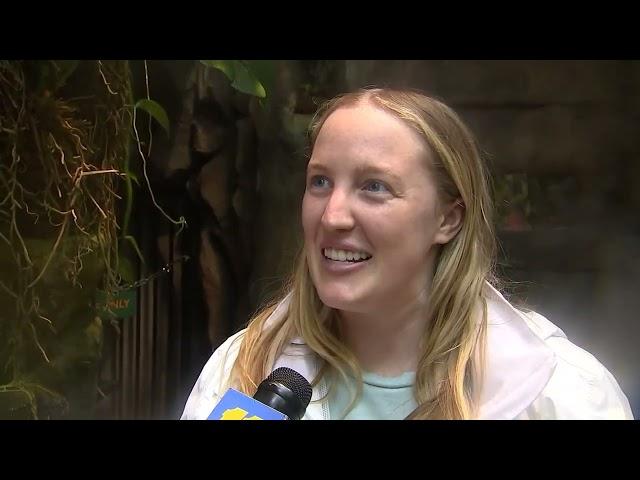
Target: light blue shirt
{"type": "Point", "coordinates": [383, 398]}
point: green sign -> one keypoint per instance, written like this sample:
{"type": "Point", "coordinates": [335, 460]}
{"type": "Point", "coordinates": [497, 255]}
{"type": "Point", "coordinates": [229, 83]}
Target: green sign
{"type": "Point", "coordinates": [122, 304]}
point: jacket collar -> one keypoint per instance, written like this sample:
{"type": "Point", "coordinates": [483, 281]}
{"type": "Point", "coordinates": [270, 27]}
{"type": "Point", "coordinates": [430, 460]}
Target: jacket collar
{"type": "Point", "coordinates": [518, 362]}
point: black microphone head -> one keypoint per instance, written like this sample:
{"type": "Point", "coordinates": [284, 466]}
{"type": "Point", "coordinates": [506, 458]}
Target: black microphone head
{"type": "Point", "coordinates": [294, 382]}
{"type": "Point", "coordinates": [287, 391]}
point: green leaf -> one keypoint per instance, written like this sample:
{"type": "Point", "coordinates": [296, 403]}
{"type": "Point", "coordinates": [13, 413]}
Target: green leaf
{"type": "Point", "coordinates": [265, 72]}
{"type": "Point", "coordinates": [246, 82]}
{"type": "Point", "coordinates": [155, 110]}
{"type": "Point", "coordinates": [225, 66]}
{"type": "Point", "coordinates": [240, 75]}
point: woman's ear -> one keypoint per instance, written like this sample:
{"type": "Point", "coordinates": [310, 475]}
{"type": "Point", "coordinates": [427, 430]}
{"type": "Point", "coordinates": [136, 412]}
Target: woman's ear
{"type": "Point", "coordinates": [451, 221]}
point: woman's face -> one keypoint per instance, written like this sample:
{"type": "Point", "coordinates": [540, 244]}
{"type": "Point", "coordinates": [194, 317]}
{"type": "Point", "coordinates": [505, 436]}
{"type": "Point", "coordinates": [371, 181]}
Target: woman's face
{"type": "Point", "coordinates": [370, 213]}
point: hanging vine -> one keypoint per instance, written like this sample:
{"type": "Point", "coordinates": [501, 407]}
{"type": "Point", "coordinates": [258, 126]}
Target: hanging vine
{"type": "Point", "coordinates": [62, 159]}
{"type": "Point", "coordinates": [66, 129]}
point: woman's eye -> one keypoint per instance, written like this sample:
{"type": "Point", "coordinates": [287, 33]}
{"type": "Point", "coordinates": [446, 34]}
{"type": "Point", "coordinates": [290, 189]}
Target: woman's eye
{"type": "Point", "coordinates": [319, 181]}
{"type": "Point", "coordinates": [375, 186]}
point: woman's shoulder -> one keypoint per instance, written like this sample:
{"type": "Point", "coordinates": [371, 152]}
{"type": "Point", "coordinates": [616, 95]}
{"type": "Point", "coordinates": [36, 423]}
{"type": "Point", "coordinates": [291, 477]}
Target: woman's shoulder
{"type": "Point", "coordinates": [213, 378]}
{"type": "Point", "coordinates": [222, 359]}
{"type": "Point", "coordinates": [580, 387]}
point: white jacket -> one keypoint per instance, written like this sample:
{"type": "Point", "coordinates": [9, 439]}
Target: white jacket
{"type": "Point", "coordinates": [532, 372]}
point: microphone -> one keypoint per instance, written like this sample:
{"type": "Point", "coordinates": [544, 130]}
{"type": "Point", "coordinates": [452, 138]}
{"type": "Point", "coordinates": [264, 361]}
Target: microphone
{"type": "Point", "coordinates": [283, 395]}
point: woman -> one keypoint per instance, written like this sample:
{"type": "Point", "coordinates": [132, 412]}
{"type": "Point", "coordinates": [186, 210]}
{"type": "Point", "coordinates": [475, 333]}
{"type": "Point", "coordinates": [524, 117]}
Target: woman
{"type": "Point", "coordinates": [391, 312]}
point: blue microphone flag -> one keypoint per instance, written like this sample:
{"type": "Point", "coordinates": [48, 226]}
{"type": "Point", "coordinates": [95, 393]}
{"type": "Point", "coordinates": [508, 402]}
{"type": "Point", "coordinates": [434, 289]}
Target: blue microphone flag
{"type": "Point", "coordinates": [238, 406]}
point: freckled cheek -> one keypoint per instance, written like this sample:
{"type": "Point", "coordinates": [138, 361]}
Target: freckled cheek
{"type": "Point", "coordinates": [311, 217]}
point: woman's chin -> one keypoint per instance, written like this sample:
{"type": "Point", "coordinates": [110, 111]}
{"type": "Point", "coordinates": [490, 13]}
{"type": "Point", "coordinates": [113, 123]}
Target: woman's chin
{"type": "Point", "coordinates": [347, 301]}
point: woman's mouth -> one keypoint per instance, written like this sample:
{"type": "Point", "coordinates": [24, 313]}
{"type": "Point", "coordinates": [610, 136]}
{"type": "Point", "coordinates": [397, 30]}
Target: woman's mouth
{"type": "Point", "coordinates": [345, 255]}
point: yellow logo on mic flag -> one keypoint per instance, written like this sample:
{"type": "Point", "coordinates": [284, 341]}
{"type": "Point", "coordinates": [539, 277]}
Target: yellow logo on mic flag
{"type": "Point", "coordinates": [237, 414]}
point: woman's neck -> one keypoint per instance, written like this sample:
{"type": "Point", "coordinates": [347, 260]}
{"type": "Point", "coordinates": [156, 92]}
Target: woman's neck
{"type": "Point", "coordinates": [386, 342]}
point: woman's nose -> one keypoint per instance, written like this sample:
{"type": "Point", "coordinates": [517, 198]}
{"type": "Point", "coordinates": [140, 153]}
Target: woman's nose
{"type": "Point", "coordinates": [337, 214]}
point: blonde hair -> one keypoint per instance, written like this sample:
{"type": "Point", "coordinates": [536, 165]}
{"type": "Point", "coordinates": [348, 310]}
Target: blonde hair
{"type": "Point", "coordinates": [448, 377]}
